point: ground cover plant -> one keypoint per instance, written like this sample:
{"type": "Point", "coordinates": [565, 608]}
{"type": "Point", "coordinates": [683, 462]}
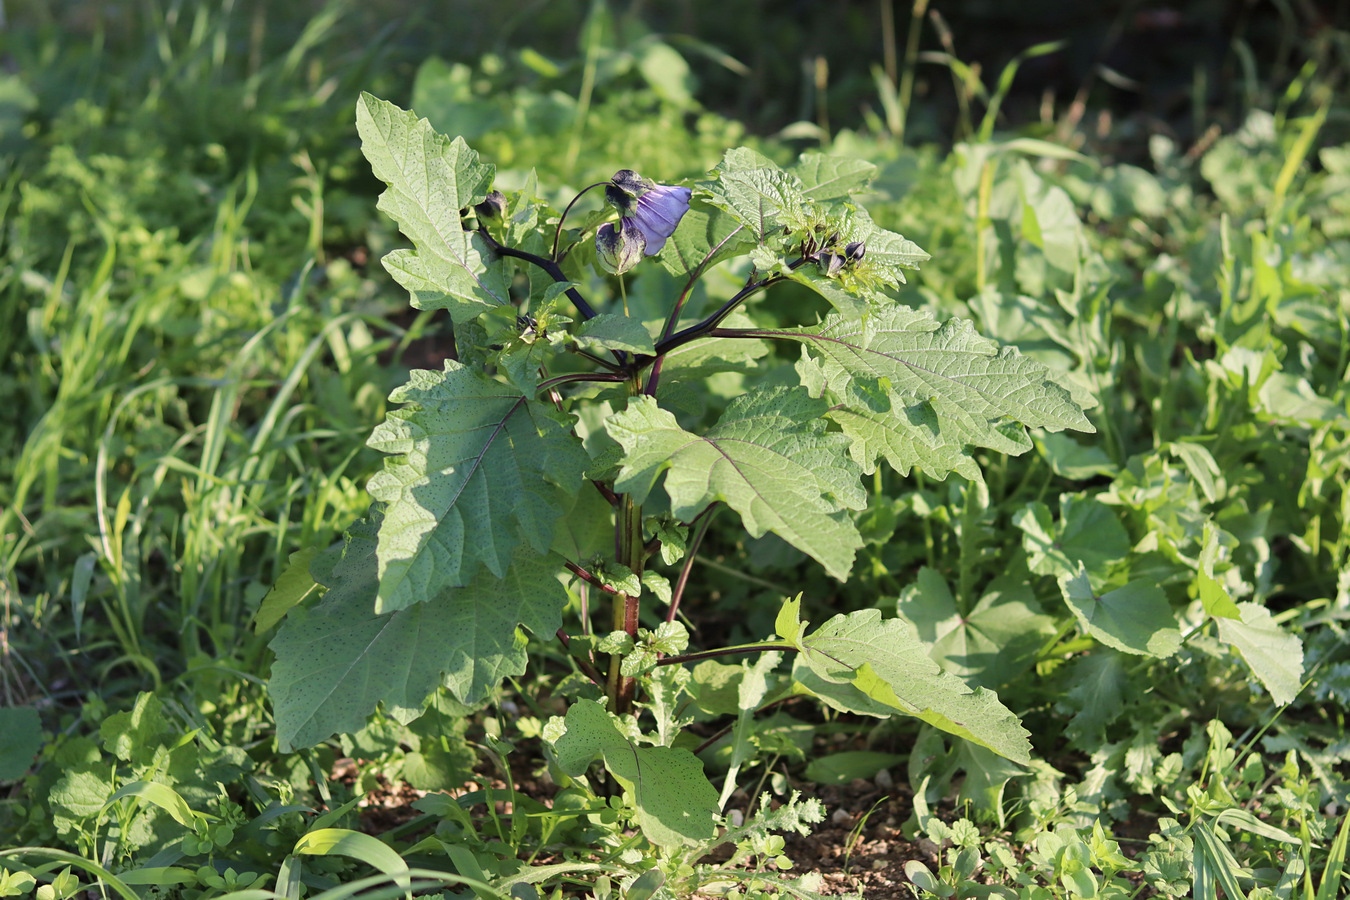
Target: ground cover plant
{"type": "Point", "coordinates": [680, 503]}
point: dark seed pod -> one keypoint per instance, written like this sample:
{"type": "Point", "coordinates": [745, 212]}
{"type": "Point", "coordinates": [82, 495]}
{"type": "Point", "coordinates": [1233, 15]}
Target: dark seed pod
{"type": "Point", "coordinates": [833, 239]}
{"type": "Point", "coordinates": [855, 250]}
{"type": "Point", "coordinates": [492, 206]}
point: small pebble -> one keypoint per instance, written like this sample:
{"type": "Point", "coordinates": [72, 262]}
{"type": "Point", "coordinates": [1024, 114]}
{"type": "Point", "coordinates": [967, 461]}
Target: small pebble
{"type": "Point", "coordinates": [879, 864]}
{"type": "Point", "coordinates": [840, 817]}
{"type": "Point", "coordinates": [884, 781]}
{"type": "Point", "coordinates": [736, 818]}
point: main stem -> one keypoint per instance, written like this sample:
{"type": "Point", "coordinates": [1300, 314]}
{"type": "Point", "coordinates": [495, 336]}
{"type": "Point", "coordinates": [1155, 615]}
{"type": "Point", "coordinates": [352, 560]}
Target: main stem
{"type": "Point", "coordinates": [629, 550]}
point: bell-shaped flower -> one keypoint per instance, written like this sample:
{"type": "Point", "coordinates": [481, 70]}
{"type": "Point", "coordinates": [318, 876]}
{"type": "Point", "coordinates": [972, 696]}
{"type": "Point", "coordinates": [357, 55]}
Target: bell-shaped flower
{"type": "Point", "coordinates": [656, 209]}
{"type": "Point", "coordinates": [619, 249]}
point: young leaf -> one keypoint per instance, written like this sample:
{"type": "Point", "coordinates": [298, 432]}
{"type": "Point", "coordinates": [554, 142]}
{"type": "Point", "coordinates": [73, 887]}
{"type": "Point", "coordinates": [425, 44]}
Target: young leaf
{"type": "Point", "coordinates": [610, 331]}
{"type": "Point", "coordinates": [769, 458]}
{"type": "Point", "coordinates": [1135, 618]}
{"type": "Point", "coordinates": [334, 663]}
{"type": "Point", "coordinates": [675, 803]}
{"type": "Point", "coordinates": [431, 178]}
{"type": "Point", "coordinates": [863, 664]}
{"type": "Point", "coordinates": [481, 470]}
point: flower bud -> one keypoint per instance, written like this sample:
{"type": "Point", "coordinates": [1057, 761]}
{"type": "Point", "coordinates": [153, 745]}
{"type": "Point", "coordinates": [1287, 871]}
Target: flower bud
{"type": "Point", "coordinates": [855, 250]}
{"type": "Point", "coordinates": [619, 249]}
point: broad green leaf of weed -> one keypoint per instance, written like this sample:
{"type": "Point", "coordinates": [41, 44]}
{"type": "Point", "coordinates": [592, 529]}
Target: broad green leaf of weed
{"type": "Point", "coordinates": [293, 585]}
{"type": "Point", "coordinates": [1212, 593]}
{"type": "Point", "coordinates": [675, 803]}
{"type": "Point", "coordinates": [832, 177]}
{"type": "Point", "coordinates": [1097, 698]}
{"type": "Point", "coordinates": [611, 331]}
{"type": "Point", "coordinates": [987, 647]}
{"type": "Point", "coordinates": [705, 236]}
{"type": "Point", "coordinates": [20, 740]}
{"type": "Point", "coordinates": [480, 471]}
{"type": "Point", "coordinates": [863, 664]}
{"type": "Point", "coordinates": [898, 358]}
{"type": "Point", "coordinates": [1274, 655]}
{"type": "Point", "coordinates": [431, 178]}
{"type": "Point", "coordinates": [769, 458]}
{"type": "Point", "coordinates": [761, 196]}
{"type": "Point", "coordinates": [135, 736]}
{"type": "Point", "coordinates": [1135, 618]}
{"type": "Point", "coordinates": [337, 661]}
{"type": "Point", "coordinates": [986, 773]}
{"type": "Point", "coordinates": [841, 768]}
{"type": "Point", "coordinates": [1089, 533]}
{"type": "Point", "coordinates": [1074, 461]}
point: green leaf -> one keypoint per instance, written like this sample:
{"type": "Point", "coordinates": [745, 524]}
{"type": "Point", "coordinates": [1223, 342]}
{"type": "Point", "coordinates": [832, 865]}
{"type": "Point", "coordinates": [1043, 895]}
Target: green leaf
{"type": "Point", "coordinates": [336, 662]}
{"type": "Point", "coordinates": [161, 795]}
{"type": "Point", "coordinates": [832, 177]}
{"type": "Point", "coordinates": [992, 643]}
{"type": "Point", "coordinates": [369, 850]}
{"type": "Point", "coordinates": [759, 194]}
{"type": "Point", "coordinates": [841, 768]}
{"type": "Point", "coordinates": [136, 735]}
{"type": "Point", "coordinates": [676, 804]}
{"type": "Point", "coordinates": [1089, 533]}
{"type": "Point", "coordinates": [480, 471]}
{"type": "Point", "coordinates": [610, 331]}
{"type": "Point", "coordinates": [704, 237]}
{"type": "Point", "coordinates": [896, 370]}
{"type": "Point", "coordinates": [294, 584]}
{"type": "Point", "coordinates": [1275, 655]}
{"type": "Point", "coordinates": [769, 458]}
{"type": "Point", "coordinates": [884, 668]}
{"type": "Point", "coordinates": [1213, 595]}
{"type": "Point", "coordinates": [1135, 618]}
{"type": "Point", "coordinates": [20, 740]}
{"type": "Point", "coordinates": [431, 178]}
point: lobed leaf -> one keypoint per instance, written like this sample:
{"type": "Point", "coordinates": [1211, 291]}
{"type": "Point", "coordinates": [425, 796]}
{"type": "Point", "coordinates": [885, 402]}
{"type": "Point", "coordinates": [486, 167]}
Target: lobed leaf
{"type": "Point", "coordinates": [336, 662]}
{"type": "Point", "coordinates": [916, 393]}
{"type": "Point", "coordinates": [769, 458]}
{"type": "Point", "coordinates": [431, 178]}
{"type": "Point", "coordinates": [480, 471]}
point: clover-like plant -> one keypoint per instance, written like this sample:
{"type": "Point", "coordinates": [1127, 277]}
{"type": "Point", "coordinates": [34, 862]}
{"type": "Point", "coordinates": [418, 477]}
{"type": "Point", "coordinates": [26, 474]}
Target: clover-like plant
{"type": "Point", "coordinates": [560, 456]}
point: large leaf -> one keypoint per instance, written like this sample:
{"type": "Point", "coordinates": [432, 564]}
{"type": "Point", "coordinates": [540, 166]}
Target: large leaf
{"type": "Point", "coordinates": [335, 662]}
{"type": "Point", "coordinates": [864, 664]}
{"type": "Point", "coordinates": [675, 802]}
{"type": "Point", "coordinates": [769, 458]}
{"type": "Point", "coordinates": [431, 178]}
{"type": "Point", "coordinates": [896, 370]}
{"type": "Point", "coordinates": [480, 471]}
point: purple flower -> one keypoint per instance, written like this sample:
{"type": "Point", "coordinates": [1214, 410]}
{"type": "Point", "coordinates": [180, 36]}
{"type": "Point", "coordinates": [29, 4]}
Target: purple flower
{"type": "Point", "coordinates": [647, 210]}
